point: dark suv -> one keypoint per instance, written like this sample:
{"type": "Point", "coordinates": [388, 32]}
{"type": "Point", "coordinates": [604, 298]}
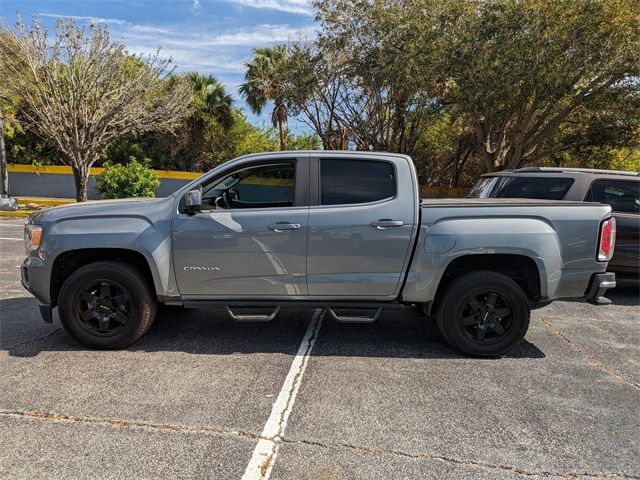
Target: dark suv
{"type": "Point", "coordinates": [619, 189]}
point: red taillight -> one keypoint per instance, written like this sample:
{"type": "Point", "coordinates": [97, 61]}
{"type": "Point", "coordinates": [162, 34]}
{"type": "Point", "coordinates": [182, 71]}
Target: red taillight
{"type": "Point", "coordinates": [607, 239]}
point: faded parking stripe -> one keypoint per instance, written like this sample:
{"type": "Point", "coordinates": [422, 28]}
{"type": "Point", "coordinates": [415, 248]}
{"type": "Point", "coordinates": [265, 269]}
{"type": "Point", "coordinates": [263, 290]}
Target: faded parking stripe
{"type": "Point", "coordinates": [266, 450]}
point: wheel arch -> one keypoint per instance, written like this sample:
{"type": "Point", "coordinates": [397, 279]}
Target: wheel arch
{"type": "Point", "coordinates": [71, 260]}
{"type": "Point", "coordinates": [522, 269]}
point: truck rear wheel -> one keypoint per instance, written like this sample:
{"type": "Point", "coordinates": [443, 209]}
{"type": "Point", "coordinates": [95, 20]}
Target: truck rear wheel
{"type": "Point", "coordinates": [107, 305]}
{"type": "Point", "coordinates": [483, 314]}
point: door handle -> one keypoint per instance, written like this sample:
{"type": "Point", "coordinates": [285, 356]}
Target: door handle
{"type": "Point", "coordinates": [386, 222]}
{"type": "Point", "coordinates": [282, 226]}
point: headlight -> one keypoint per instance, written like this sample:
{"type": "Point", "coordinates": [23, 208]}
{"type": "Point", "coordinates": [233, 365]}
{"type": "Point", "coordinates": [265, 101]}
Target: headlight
{"type": "Point", "coordinates": [32, 237]}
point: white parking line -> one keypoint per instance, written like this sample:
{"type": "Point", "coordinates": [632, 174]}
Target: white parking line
{"type": "Point", "coordinates": [266, 451]}
{"type": "Point", "coordinates": [11, 238]}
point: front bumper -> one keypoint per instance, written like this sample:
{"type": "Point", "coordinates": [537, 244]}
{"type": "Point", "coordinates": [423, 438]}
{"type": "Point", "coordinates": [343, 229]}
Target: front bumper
{"type": "Point", "coordinates": [600, 283]}
{"type": "Point", "coordinates": [35, 278]}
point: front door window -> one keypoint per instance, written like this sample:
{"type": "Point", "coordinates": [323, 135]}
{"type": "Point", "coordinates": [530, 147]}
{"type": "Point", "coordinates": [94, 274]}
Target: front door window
{"type": "Point", "coordinates": [263, 186]}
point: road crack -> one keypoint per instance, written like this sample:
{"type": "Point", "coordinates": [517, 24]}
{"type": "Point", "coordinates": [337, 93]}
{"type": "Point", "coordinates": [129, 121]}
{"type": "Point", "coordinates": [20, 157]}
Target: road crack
{"type": "Point", "coordinates": [463, 462]}
{"type": "Point", "coordinates": [279, 439]}
{"type": "Point", "coordinates": [592, 361]}
{"type": "Point", "coordinates": [26, 342]}
{"type": "Point", "coordinates": [123, 424]}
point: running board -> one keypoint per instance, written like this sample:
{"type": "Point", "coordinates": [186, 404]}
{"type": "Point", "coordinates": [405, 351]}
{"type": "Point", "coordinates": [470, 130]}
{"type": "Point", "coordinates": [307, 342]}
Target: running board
{"type": "Point", "coordinates": [329, 307]}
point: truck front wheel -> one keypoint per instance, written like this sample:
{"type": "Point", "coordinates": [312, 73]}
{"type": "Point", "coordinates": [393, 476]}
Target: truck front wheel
{"type": "Point", "coordinates": [483, 314]}
{"type": "Point", "coordinates": [106, 305]}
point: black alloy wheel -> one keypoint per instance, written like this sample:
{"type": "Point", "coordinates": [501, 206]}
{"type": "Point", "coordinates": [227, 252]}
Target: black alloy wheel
{"type": "Point", "coordinates": [103, 307]}
{"type": "Point", "coordinates": [485, 316]}
{"type": "Point", "coordinates": [107, 304]}
{"type": "Point", "coordinates": [483, 313]}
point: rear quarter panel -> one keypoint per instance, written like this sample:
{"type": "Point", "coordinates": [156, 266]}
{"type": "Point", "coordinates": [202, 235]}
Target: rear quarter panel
{"type": "Point", "coordinates": [560, 238]}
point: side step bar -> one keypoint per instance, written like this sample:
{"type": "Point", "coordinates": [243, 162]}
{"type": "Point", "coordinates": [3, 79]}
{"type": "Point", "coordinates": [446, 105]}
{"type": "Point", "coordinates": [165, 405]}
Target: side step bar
{"type": "Point", "coordinates": [330, 308]}
{"type": "Point", "coordinates": [353, 319]}
{"type": "Point", "coordinates": [251, 318]}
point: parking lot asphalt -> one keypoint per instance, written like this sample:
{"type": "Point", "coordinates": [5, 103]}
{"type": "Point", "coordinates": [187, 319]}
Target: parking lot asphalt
{"type": "Point", "coordinates": [388, 400]}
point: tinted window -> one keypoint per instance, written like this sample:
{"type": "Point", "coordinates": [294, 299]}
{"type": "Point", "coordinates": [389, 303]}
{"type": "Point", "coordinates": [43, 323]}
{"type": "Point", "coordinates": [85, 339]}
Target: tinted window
{"type": "Point", "coordinates": [546, 188]}
{"type": "Point", "coordinates": [356, 181]}
{"type": "Point", "coordinates": [253, 187]}
{"type": "Point", "coordinates": [483, 188]}
{"type": "Point", "coordinates": [623, 196]}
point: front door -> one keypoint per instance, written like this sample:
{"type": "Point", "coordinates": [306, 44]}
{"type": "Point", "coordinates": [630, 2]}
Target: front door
{"type": "Point", "coordinates": [252, 242]}
{"type": "Point", "coordinates": [361, 230]}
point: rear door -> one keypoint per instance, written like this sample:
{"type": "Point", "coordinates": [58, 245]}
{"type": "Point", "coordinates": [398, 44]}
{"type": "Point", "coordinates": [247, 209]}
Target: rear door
{"type": "Point", "coordinates": [361, 225]}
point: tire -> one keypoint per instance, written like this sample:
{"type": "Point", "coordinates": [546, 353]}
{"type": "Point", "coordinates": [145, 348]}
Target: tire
{"type": "Point", "coordinates": [483, 314]}
{"type": "Point", "coordinates": [107, 305]}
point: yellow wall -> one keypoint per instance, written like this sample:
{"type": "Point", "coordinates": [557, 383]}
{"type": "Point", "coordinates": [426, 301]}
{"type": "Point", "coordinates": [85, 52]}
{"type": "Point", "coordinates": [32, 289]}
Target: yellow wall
{"type": "Point", "coordinates": [64, 170]}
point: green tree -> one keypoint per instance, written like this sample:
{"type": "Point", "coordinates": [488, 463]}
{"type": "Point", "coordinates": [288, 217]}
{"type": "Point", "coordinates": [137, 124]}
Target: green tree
{"type": "Point", "coordinates": [210, 98]}
{"type": "Point", "coordinates": [519, 71]}
{"type": "Point", "coordinates": [267, 79]}
{"type": "Point", "coordinates": [516, 73]}
{"type": "Point", "coordinates": [193, 142]}
{"type": "Point", "coordinates": [384, 96]}
{"type": "Point", "coordinates": [317, 83]}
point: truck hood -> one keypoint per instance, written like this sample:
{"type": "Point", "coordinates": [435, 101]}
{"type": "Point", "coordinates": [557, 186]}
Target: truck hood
{"type": "Point", "coordinates": [101, 208]}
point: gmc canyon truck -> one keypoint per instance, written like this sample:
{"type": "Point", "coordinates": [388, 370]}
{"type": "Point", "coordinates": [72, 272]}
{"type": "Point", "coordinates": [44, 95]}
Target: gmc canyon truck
{"type": "Point", "coordinates": [343, 231]}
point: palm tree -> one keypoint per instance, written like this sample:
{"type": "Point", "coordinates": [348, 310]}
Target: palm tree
{"type": "Point", "coordinates": [266, 80]}
{"type": "Point", "coordinates": [210, 98]}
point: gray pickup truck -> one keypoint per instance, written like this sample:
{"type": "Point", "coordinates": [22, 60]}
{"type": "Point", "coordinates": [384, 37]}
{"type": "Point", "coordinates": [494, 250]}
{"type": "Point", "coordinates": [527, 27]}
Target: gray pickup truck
{"type": "Point", "coordinates": [344, 231]}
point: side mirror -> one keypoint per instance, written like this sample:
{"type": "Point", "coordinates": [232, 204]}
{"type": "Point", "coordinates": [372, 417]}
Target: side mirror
{"type": "Point", "coordinates": [193, 201]}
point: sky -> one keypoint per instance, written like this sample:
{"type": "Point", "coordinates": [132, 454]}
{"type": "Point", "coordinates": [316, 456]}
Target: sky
{"type": "Point", "coordinates": [212, 36]}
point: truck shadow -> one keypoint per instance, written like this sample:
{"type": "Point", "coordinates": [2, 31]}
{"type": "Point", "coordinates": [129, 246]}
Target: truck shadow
{"type": "Point", "coordinates": [397, 334]}
{"type": "Point", "coordinates": [626, 293]}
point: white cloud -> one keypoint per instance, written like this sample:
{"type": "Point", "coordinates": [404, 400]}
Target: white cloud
{"type": "Point", "coordinates": [259, 34]}
{"type": "Point", "coordinates": [183, 37]}
{"type": "Point", "coordinates": [195, 5]}
{"type": "Point", "coordinates": [112, 21]}
{"type": "Point", "coordinates": [302, 7]}
{"type": "Point", "coordinates": [189, 59]}
{"type": "Point", "coordinates": [193, 47]}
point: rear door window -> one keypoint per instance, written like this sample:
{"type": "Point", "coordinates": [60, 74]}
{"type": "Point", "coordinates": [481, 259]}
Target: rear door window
{"type": "Point", "coordinates": [545, 188]}
{"type": "Point", "coordinates": [344, 182]}
{"type": "Point", "coordinates": [622, 195]}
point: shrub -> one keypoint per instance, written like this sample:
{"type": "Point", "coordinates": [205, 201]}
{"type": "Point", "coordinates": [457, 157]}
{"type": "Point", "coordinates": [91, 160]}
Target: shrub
{"type": "Point", "coordinates": [133, 179]}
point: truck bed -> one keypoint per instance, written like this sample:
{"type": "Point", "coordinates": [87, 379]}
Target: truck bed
{"type": "Point", "coordinates": [499, 202]}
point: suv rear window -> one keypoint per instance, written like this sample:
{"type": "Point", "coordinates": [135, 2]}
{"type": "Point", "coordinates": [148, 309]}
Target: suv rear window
{"type": "Point", "coordinates": [623, 196]}
{"type": "Point", "coordinates": [546, 188]}
{"type": "Point", "coordinates": [345, 182]}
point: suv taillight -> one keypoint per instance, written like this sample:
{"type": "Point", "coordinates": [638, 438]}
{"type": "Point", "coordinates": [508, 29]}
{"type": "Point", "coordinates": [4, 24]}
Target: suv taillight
{"type": "Point", "coordinates": [607, 240]}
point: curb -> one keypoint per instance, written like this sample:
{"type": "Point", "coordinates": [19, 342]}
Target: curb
{"type": "Point", "coordinates": [16, 213]}
{"type": "Point", "coordinates": [44, 201]}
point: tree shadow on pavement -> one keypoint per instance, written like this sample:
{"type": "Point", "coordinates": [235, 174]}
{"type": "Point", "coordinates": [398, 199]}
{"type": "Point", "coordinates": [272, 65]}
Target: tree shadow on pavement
{"type": "Point", "coordinates": [397, 334]}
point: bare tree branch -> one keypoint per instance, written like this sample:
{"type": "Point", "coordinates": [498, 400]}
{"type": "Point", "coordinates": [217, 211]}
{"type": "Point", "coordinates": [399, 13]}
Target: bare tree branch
{"type": "Point", "coordinates": [83, 91]}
